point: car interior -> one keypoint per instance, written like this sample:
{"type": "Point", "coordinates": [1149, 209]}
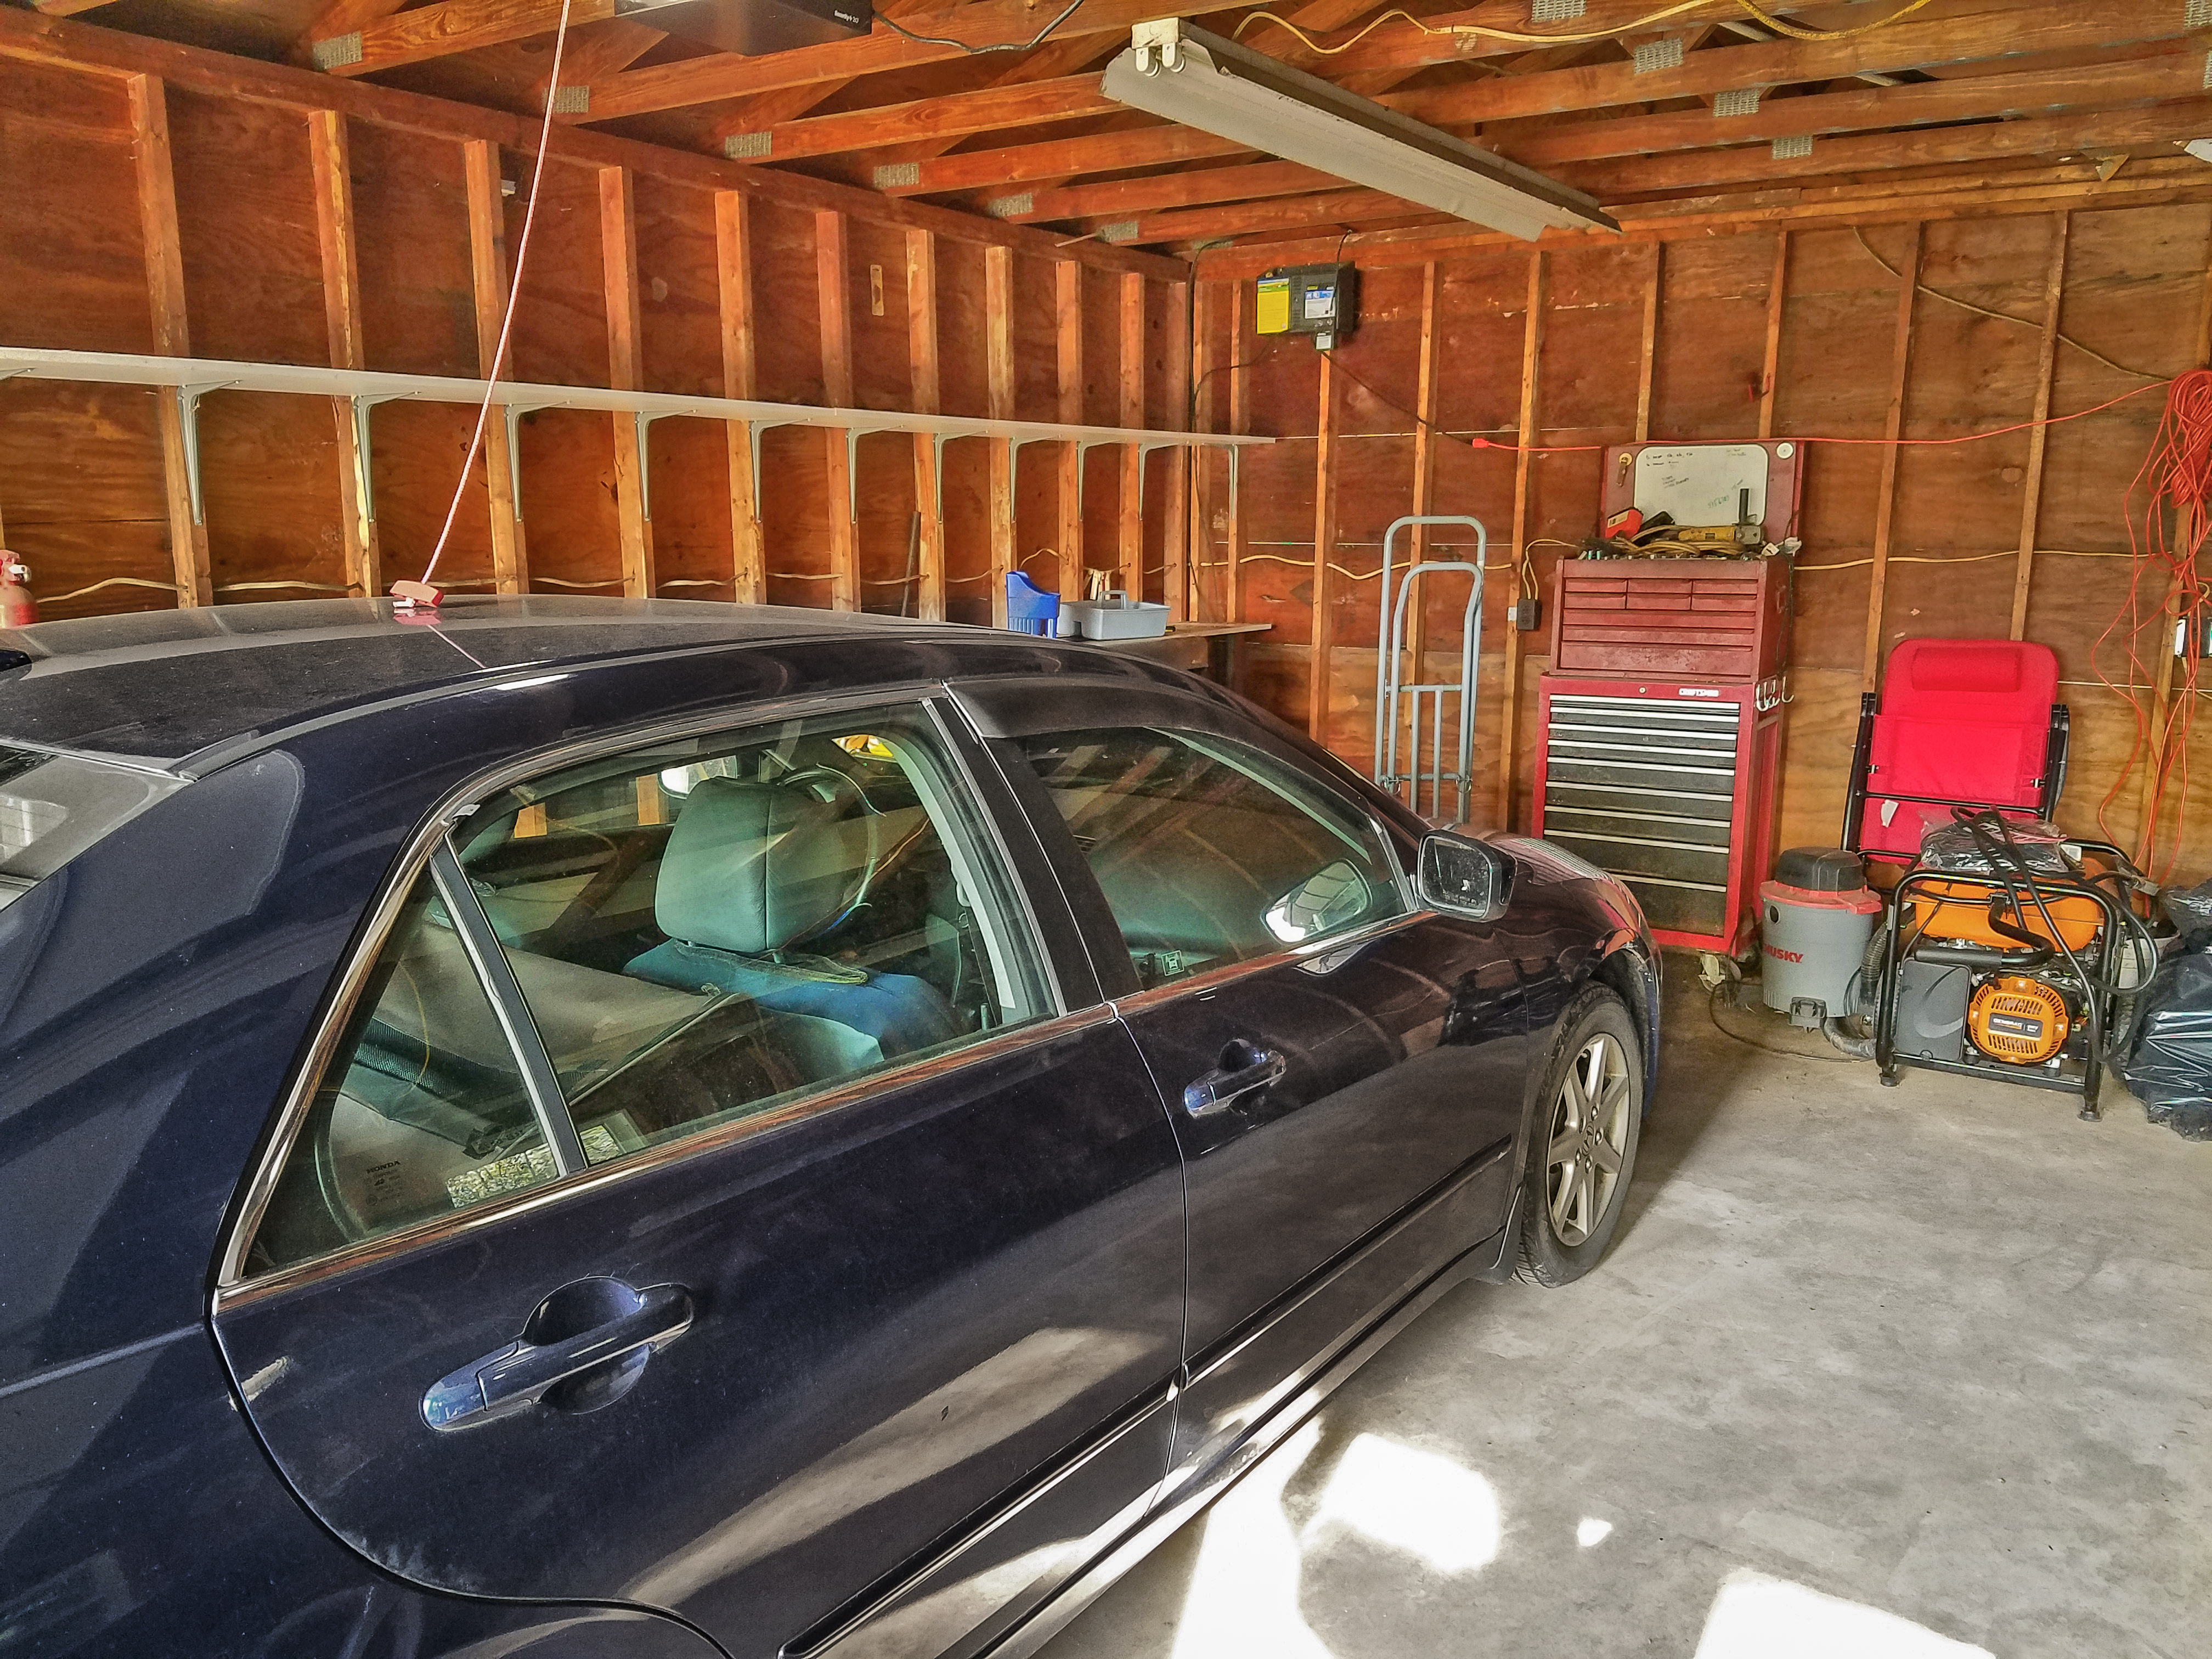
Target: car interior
{"type": "Point", "coordinates": [703, 930]}
{"type": "Point", "coordinates": [1207, 852]}
{"type": "Point", "coordinates": [699, 933]}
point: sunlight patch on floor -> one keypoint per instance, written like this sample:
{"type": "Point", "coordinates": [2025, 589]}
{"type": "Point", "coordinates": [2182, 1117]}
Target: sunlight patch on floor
{"type": "Point", "coordinates": [1755, 1617]}
{"type": "Point", "coordinates": [1243, 1595]}
{"type": "Point", "coordinates": [1421, 1501]}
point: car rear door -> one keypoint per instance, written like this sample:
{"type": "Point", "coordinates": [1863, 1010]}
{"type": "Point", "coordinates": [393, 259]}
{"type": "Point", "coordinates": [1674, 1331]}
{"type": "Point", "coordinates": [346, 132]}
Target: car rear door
{"type": "Point", "coordinates": [1345, 1071]}
{"type": "Point", "coordinates": [819, 1289]}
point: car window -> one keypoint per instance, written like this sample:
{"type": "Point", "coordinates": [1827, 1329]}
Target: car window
{"type": "Point", "coordinates": [423, 1111]}
{"type": "Point", "coordinates": [1209, 851]}
{"type": "Point", "coordinates": [703, 930]}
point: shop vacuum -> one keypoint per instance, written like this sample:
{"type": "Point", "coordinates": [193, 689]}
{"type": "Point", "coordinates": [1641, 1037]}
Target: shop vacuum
{"type": "Point", "coordinates": [1816, 919]}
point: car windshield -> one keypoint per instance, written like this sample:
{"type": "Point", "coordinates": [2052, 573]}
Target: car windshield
{"type": "Point", "coordinates": [53, 806]}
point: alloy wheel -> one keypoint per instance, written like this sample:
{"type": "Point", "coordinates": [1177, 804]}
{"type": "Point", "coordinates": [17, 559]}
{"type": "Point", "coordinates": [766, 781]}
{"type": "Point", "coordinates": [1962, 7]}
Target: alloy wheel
{"type": "Point", "coordinates": [1588, 1142]}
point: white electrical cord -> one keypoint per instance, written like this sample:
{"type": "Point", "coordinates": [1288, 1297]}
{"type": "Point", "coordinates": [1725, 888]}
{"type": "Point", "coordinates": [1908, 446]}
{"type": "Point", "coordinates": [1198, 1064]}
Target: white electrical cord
{"type": "Point", "coordinates": [507, 322]}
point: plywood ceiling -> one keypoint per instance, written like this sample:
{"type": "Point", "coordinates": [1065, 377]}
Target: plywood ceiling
{"type": "Point", "coordinates": [1721, 102]}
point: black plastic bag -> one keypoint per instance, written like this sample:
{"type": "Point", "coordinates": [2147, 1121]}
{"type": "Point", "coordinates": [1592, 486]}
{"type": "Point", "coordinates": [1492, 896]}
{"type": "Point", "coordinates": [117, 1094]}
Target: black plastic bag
{"type": "Point", "coordinates": [2188, 909]}
{"type": "Point", "coordinates": [2169, 1068]}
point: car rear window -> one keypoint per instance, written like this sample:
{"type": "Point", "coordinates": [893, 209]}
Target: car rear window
{"type": "Point", "coordinates": [53, 806]}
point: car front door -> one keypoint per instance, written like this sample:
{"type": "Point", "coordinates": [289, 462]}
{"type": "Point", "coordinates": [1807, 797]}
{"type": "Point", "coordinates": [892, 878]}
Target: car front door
{"type": "Point", "coordinates": [1344, 1070]}
{"type": "Point", "coordinates": [721, 1189]}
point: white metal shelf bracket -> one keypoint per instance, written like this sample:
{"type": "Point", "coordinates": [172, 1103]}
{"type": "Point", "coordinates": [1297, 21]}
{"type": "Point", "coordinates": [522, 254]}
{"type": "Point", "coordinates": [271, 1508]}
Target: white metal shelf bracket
{"type": "Point", "coordinates": [513, 414]}
{"type": "Point", "coordinates": [1082, 447]}
{"type": "Point", "coordinates": [642, 425]}
{"type": "Point", "coordinates": [937, 442]}
{"type": "Point", "coordinates": [364, 470]}
{"type": "Point", "coordinates": [188, 424]}
{"type": "Point", "coordinates": [1143, 450]}
{"type": "Point", "coordinates": [753, 436]}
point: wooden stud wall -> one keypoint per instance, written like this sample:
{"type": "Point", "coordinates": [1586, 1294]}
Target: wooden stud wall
{"type": "Point", "coordinates": [1726, 334]}
{"type": "Point", "coordinates": [169, 200]}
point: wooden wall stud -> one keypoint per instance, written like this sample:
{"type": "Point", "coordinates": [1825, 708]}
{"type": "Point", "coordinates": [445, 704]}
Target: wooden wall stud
{"type": "Point", "coordinates": [1067, 326]}
{"type": "Point", "coordinates": [2031, 488]}
{"type": "Point", "coordinates": [164, 291]}
{"type": "Point", "coordinates": [733, 264]}
{"type": "Point", "coordinates": [833, 285]}
{"type": "Point", "coordinates": [626, 373]}
{"type": "Point", "coordinates": [1130, 541]}
{"type": "Point", "coordinates": [334, 235]}
{"type": "Point", "coordinates": [1777, 289]}
{"type": "Point", "coordinates": [1176, 539]}
{"type": "Point", "coordinates": [1324, 612]}
{"type": "Point", "coordinates": [510, 556]}
{"type": "Point", "coordinates": [1508, 728]}
{"type": "Point", "coordinates": [1885, 506]}
{"type": "Point", "coordinates": [925, 394]}
{"type": "Point", "coordinates": [999, 367]}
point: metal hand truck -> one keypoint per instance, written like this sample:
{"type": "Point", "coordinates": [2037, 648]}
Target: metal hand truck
{"type": "Point", "coordinates": [1423, 704]}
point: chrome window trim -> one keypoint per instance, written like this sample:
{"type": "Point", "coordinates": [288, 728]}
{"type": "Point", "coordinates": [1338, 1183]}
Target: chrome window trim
{"type": "Point", "coordinates": [549, 1103]}
{"type": "Point", "coordinates": [590, 1179]}
{"type": "Point", "coordinates": [1300, 956]}
{"type": "Point", "coordinates": [937, 707]}
{"type": "Point", "coordinates": [231, 1281]}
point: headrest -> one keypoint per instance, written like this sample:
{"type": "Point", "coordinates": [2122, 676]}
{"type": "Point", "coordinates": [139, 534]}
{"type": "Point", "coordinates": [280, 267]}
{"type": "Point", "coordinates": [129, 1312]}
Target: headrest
{"type": "Point", "coordinates": [753, 868]}
{"type": "Point", "coordinates": [2000, 679]}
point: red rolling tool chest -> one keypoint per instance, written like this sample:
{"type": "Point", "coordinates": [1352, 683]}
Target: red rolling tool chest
{"type": "Point", "coordinates": [1661, 715]}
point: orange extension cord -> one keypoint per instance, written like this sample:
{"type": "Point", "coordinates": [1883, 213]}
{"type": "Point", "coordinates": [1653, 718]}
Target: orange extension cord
{"type": "Point", "coordinates": [2167, 510]}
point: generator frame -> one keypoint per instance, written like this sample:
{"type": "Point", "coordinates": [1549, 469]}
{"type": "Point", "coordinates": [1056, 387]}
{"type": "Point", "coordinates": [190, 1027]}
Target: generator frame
{"type": "Point", "coordinates": [2026, 897]}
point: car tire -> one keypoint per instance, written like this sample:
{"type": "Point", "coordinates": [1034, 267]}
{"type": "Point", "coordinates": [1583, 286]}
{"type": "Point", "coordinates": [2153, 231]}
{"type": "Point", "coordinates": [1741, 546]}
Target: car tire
{"type": "Point", "coordinates": [1588, 1115]}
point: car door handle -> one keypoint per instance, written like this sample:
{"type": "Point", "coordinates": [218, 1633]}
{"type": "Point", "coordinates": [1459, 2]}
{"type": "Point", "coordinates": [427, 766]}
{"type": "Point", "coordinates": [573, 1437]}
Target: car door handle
{"type": "Point", "coordinates": [1245, 1068]}
{"type": "Point", "coordinates": [620, 1329]}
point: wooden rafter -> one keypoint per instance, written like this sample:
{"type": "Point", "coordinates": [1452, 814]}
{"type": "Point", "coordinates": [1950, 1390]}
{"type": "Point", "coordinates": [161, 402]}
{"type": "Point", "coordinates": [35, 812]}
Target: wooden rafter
{"type": "Point", "coordinates": [28, 37]}
{"type": "Point", "coordinates": [956, 116]}
{"type": "Point", "coordinates": [725, 75]}
{"type": "Point", "coordinates": [2037, 189]}
{"type": "Point", "coordinates": [1906, 46]}
{"type": "Point", "coordinates": [439, 31]}
{"type": "Point", "coordinates": [1057, 158]}
{"type": "Point", "coordinates": [334, 22]}
{"type": "Point", "coordinates": [1243, 218]}
{"type": "Point", "coordinates": [2168, 74]}
{"type": "Point", "coordinates": [769, 109]}
{"type": "Point", "coordinates": [2051, 136]}
{"type": "Point", "coordinates": [1155, 193]}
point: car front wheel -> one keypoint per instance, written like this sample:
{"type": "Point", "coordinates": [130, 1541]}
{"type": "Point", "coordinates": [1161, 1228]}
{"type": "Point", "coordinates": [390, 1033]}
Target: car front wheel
{"type": "Point", "coordinates": [1582, 1153]}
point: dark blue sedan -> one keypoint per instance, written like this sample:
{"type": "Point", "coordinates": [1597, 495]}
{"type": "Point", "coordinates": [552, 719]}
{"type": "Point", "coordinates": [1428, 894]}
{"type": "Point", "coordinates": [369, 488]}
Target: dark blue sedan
{"type": "Point", "coordinates": [570, 1128]}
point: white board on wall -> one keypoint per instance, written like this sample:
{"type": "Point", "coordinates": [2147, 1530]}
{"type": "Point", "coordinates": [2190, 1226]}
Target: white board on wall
{"type": "Point", "coordinates": [1701, 484]}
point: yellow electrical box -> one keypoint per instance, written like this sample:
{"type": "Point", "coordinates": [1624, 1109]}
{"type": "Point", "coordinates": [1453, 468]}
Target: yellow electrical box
{"type": "Point", "coordinates": [1322, 301]}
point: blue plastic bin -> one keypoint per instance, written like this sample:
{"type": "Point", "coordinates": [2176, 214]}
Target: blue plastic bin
{"type": "Point", "coordinates": [1029, 609]}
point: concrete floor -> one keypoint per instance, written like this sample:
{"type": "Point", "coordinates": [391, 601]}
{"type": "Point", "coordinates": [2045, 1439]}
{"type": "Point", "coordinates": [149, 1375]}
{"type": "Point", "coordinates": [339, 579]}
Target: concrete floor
{"type": "Point", "coordinates": [1895, 1372]}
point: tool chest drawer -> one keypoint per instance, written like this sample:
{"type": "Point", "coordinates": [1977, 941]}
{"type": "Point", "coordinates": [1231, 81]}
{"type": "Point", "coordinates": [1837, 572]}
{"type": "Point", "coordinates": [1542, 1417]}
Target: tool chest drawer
{"type": "Point", "coordinates": [1661, 785]}
{"type": "Point", "coordinates": [1706, 619]}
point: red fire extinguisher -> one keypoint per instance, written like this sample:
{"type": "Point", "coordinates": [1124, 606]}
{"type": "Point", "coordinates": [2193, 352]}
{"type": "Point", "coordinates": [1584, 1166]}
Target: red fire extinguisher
{"type": "Point", "coordinates": [18, 606]}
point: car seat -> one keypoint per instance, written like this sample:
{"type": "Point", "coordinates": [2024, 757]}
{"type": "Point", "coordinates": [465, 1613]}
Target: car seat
{"type": "Point", "coordinates": [752, 870]}
{"type": "Point", "coordinates": [1958, 723]}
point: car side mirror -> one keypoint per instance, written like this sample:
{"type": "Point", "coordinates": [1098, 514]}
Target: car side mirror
{"type": "Point", "coordinates": [1460, 876]}
{"type": "Point", "coordinates": [1333, 897]}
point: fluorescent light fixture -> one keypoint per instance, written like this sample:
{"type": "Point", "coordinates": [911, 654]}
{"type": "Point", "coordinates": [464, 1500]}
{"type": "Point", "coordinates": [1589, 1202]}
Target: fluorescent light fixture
{"type": "Point", "coordinates": [1202, 81]}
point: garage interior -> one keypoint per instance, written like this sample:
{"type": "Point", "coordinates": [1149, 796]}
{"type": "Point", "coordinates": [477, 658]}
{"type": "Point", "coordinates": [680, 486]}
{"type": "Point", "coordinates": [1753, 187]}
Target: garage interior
{"type": "Point", "coordinates": [916, 317]}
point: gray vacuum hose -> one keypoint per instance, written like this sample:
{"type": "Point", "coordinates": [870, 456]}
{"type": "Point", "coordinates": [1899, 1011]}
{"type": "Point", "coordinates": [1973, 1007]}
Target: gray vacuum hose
{"type": "Point", "coordinates": [1859, 1047]}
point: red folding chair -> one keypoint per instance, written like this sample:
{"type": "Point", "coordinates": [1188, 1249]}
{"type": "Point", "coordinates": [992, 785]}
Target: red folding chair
{"type": "Point", "coordinates": [1958, 723]}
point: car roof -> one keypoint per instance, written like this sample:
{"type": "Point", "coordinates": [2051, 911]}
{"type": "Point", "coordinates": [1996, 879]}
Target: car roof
{"type": "Point", "coordinates": [155, 687]}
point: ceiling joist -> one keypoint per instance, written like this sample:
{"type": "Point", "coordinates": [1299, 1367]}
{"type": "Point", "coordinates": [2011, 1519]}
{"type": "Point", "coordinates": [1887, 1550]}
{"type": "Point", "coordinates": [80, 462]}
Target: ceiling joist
{"type": "Point", "coordinates": [1719, 97]}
